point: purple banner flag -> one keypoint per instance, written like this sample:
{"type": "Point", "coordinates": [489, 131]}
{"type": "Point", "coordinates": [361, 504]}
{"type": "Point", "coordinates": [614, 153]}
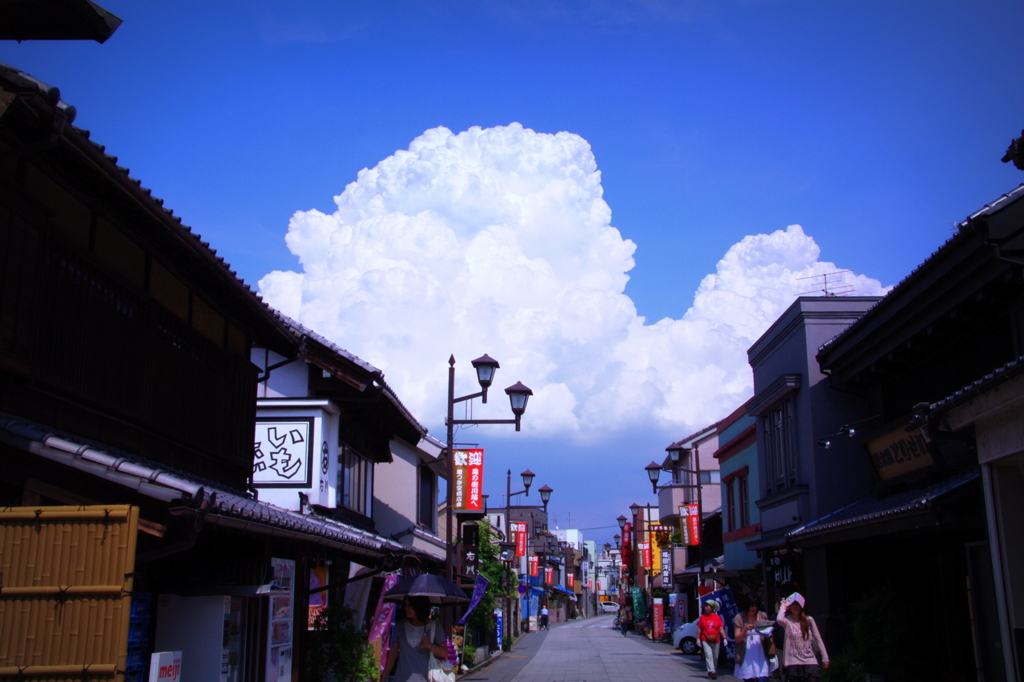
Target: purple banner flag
{"type": "Point", "coordinates": [478, 594]}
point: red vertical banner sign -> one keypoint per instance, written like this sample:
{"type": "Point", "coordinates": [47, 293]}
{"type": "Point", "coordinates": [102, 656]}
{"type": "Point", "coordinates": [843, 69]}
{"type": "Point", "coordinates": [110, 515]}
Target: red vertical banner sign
{"type": "Point", "coordinates": [519, 533]}
{"type": "Point", "coordinates": [659, 619]}
{"type": "Point", "coordinates": [469, 480]}
{"type": "Point", "coordinates": [549, 575]}
{"type": "Point", "coordinates": [645, 553]}
{"type": "Point", "coordinates": [689, 524]}
{"type": "Point", "coordinates": [627, 553]}
{"type": "Point", "coordinates": [533, 566]}
{"type": "Point", "coordinates": [572, 579]}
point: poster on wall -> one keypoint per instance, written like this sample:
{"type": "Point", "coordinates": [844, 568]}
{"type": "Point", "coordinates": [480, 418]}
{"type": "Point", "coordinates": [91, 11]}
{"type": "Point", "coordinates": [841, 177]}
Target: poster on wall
{"type": "Point", "coordinates": [279, 629]}
{"type": "Point", "coordinates": [469, 480]}
{"type": "Point", "coordinates": [317, 600]}
{"type": "Point", "coordinates": [283, 456]}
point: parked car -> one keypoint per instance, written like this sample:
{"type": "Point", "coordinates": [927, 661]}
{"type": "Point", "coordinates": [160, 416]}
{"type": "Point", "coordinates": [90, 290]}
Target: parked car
{"type": "Point", "coordinates": [685, 638]}
{"type": "Point", "coordinates": [609, 607]}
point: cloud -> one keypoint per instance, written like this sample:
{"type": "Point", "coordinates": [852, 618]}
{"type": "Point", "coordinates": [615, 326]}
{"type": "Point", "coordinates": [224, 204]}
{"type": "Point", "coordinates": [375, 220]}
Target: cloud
{"type": "Point", "coordinates": [498, 240]}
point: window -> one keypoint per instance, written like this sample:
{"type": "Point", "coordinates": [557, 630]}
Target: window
{"type": "Point", "coordinates": [355, 481]}
{"type": "Point", "coordinates": [779, 428]}
{"type": "Point", "coordinates": [710, 477]}
{"type": "Point", "coordinates": [744, 501]}
{"type": "Point", "coordinates": [427, 508]}
{"type": "Point", "coordinates": [730, 505]}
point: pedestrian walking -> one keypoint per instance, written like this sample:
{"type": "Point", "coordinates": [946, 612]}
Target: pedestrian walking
{"type": "Point", "coordinates": [751, 659]}
{"type": "Point", "coordinates": [416, 638]}
{"type": "Point", "coordinates": [624, 622]}
{"type": "Point", "coordinates": [544, 617]}
{"type": "Point", "coordinates": [711, 632]}
{"type": "Point", "coordinates": [804, 645]}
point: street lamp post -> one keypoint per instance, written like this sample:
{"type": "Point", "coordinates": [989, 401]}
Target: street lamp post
{"type": "Point", "coordinates": [518, 395]}
{"type": "Point", "coordinates": [654, 473]}
{"type": "Point", "coordinates": [527, 482]}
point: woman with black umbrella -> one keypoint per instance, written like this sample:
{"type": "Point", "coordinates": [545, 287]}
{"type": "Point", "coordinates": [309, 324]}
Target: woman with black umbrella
{"type": "Point", "coordinates": [416, 637]}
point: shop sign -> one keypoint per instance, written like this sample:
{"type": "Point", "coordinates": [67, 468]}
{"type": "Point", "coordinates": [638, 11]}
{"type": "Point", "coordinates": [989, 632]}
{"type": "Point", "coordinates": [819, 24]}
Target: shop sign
{"type": "Point", "coordinates": [165, 666]}
{"type": "Point", "coordinates": [469, 480]}
{"type": "Point", "coordinates": [549, 575]}
{"type": "Point", "coordinates": [532, 561]}
{"type": "Point", "coordinates": [470, 549]}
{"type": "Point", "coordinates": [518, 529]}
{"type": "Point", "coordinates": [689, 524]}
{"type": "Point", "coordinates": [627, 554]}
{"type": "Point", "coordinates": [659, 619]}
{"type": "Point", "coordinates": [283, 454]}
{"type": "Point", "coordinates": [666, 568]}
{"type": "Point", "coordinates": [899, 452]}
{"type": "Point", "coordinates": [645, 553]}
{"type": "Point", "coordinates": [572, 580]}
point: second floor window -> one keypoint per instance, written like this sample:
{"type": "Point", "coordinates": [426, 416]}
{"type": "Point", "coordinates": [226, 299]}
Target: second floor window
{"type": "Point", "coordinates": [779, 425]}
{"type": "Point", "coordinates": [355, 481]}
{"type": "Point", "coordinates": [427, 513]}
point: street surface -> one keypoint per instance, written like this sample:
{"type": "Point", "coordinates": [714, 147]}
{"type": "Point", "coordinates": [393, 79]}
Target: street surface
{"type": "Point", "coordinates": [590, 650]}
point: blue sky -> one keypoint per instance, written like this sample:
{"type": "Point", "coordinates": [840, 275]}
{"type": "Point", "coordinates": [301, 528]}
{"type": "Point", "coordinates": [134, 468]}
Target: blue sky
{"type": "Point", "coordinates": [874, 125]}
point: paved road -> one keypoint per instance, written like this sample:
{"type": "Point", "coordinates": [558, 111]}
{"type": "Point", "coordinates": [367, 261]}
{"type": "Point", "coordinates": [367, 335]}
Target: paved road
{"type": "Point", "coordinates": [590, 650]}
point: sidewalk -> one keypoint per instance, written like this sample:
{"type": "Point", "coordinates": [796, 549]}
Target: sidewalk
{"type": "Point", "coordinates": [590, 650]}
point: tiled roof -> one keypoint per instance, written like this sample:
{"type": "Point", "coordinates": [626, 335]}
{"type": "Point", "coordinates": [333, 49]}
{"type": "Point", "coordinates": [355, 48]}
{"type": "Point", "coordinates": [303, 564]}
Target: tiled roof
{"type": "Point", "coordinates": [878, 508]}
{"type": "Point", "coordinates": [962, 230]}
{"type": "Point", "coordinates": [230, 508]}
{"type": "Point", "coordinates": [301, 330]}
{"type": "Point", "coordinates": [78, 137]}
{"type": "Point", "coordinates": [974, 389]}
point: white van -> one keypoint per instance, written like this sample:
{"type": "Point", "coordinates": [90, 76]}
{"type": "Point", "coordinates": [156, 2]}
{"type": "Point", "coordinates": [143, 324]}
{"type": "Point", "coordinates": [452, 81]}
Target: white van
{"type": "Point", "coordinates": [609, 607]}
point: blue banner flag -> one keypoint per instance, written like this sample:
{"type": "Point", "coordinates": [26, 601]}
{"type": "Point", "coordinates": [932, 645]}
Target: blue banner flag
{"type": "Point", "coordinates": [478, 594]}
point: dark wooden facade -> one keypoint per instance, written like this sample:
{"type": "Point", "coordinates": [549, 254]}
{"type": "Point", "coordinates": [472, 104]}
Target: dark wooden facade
{"type": "Point", "coordinates": [116, 322]}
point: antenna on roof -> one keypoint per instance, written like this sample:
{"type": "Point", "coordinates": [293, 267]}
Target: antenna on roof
{"type": "Point", "coordinates": [838, 285]}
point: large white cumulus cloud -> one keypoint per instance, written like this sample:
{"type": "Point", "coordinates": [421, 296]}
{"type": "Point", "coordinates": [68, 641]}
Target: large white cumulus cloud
{"type": "Point", "coordinates": [498, 240]}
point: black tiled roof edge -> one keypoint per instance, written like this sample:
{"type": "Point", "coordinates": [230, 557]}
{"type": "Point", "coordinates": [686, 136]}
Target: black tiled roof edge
{"type": "Point", "coordinates": [300, 330]}
{"type": "Point", "coordinates": [24, 80]}
{"type": "Point", "coordinates": [901, 503]}
{"type": "Point", "coordinates": [1001, 202]}
{"type": "Point", "coordinates": [975, 388]}
{"type": "Point", "coordinates": [230, 503]}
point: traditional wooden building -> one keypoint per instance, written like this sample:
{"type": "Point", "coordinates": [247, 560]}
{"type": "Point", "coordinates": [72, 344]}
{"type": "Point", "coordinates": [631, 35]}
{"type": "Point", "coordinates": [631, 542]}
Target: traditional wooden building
{"type": "Point", "coordinates": [127, 415]}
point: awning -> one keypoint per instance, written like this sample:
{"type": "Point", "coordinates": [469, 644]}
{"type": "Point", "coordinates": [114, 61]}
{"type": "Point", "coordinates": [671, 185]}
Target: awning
{"type": "Point", "coordinates": [189, 496]}
{"type": "Point", "coordinates": [873, 515]}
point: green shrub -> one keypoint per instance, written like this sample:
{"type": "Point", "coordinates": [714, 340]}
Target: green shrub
{"type": "Point", "coordinates": [338, 650]}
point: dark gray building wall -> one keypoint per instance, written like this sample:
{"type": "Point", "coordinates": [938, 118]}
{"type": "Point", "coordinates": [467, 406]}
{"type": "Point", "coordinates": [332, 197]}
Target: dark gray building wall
{"type": "Point", "coordinates": [783, 363]}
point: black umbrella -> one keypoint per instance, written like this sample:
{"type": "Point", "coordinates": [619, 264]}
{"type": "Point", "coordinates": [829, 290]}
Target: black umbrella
{"type": "Point", "coordinates": [438, 589]}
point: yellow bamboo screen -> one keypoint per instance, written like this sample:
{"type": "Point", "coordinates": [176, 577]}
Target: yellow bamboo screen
{"type": "Point", "coordinates": [65, 596]}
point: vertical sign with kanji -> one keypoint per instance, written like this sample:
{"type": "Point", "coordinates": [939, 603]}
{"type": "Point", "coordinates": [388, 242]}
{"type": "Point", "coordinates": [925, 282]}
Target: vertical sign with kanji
{"type": "Point", "coordinates": [549, 575]}
{"type": "Point", "coordinates": [469, 480]}
{"type": "Point", "coordinates": [572, 580]}
{"type": "Point", "coordinates": [470, 547]}
{"type": "Point", "coordinates": [533, 566]}
{"type": "Point", "coordinates": [689, 524]}
{"type": "Point", "coordinates": [518, 529]}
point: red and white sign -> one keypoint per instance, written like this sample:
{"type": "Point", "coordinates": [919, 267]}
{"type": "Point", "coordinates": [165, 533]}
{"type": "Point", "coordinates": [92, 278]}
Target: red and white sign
{"type": "Point", "coordinates": [533, 566]}
{"type": "Point", "coordinates": [572, 579]}
{"type": "Point", "coordinates": [469, 480]}
{"type": "Point", "coordinates": [689, 524]}
{"type": "Point", "coordinates": [627, 552]}
{"type": "Point", "coordinates": [549, 575]}
{"type": "Point", "coordinates": [645, 553]}
{"type": "Point", "coordinates": [165, 666]}
{"type": "Point", "coordinates": [659, 619]}
{"type": "Point", "coordinates": [518, 529]}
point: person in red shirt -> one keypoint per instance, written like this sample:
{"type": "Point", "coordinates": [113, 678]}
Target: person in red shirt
{"type": "Point", "coordinates": [711, 632]}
